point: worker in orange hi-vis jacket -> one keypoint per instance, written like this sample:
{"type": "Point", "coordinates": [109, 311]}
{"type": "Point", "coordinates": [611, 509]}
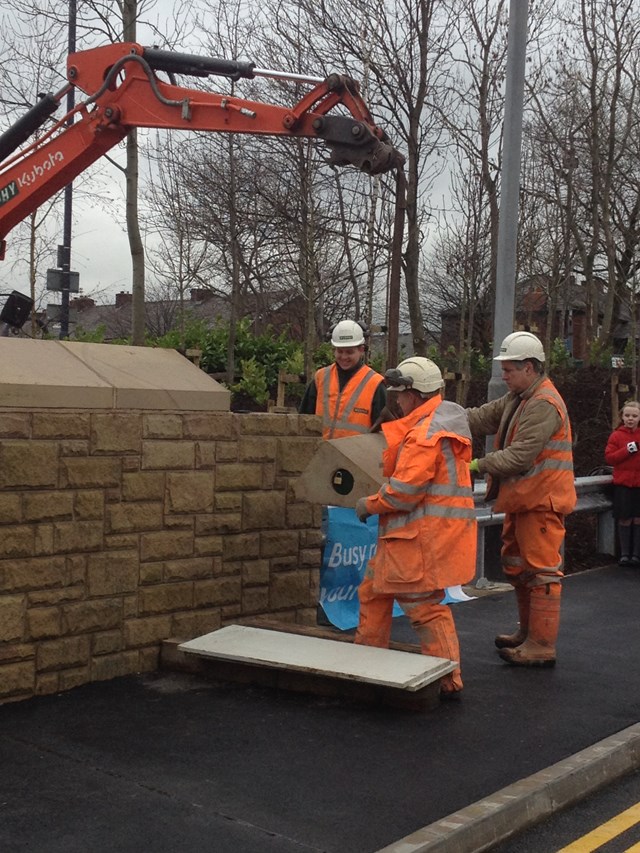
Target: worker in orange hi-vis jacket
{"type": "Point", "coordinates": [348, 395]}
{"type": "Point", "coordinates": [427, 528]}
{"type": "Point", "coordinates": [531, 478]}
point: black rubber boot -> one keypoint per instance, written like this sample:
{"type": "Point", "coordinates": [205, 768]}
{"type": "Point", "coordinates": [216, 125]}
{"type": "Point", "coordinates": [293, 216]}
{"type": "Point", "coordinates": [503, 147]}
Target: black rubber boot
{"type": "Point", "coordinates": [635, 552]}
{"type": "Point", "coordinates": [624, 535]}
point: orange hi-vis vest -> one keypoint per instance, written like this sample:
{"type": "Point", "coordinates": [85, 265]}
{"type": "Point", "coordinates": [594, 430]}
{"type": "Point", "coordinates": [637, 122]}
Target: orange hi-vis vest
{"type": "Point", "coordinates": [427, 526]}
{"type": "Point", "coordinates": [346, 412]}
{"type": "Point", "coordinates": [549, 484]}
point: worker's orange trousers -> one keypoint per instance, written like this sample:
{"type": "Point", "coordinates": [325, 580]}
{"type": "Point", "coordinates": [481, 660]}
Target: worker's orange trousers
{"type": "Point", "coordinates": [531, 547]}
{"type": "Point", "coordinates": [432, 621]}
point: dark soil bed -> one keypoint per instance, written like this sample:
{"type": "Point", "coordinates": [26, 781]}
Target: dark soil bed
{"type": "Point", "coordinates": [581, 544]}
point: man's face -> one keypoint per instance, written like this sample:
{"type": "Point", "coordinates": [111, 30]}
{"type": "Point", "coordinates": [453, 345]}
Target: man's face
{"type": "Point", "coordinates": [405, 401]}
{"type": "Point", "coordinates": [518, 376]}
{"type": "Point", "coordinates": [347, 357]}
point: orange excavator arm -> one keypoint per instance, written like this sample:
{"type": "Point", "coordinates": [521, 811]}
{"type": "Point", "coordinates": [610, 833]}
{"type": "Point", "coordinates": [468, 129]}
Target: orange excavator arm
{"type": "Point", "coordinates": [124, 92]}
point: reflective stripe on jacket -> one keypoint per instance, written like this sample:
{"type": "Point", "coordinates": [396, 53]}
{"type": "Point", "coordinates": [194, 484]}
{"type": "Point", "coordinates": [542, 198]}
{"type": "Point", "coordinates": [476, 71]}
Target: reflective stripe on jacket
{"type": "Point", "coordinates": [427, 533]}
{"type": "Point", "coordinates": [346, 412]}
{"type": "Point", "coordinates": [549, 483]}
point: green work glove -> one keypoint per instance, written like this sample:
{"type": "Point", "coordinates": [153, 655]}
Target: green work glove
{"type": "Point", "coordinates": [361, 509]}
{"type": "Point", "coordinates": [474, 466]}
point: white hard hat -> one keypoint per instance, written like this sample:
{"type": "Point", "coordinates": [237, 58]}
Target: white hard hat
{"type": "Point", "coordinates": [519, 346]}
{"type": "Point", "coordinates": [417, 372]}
{"type": "Point", "coordinates": [347, 333]}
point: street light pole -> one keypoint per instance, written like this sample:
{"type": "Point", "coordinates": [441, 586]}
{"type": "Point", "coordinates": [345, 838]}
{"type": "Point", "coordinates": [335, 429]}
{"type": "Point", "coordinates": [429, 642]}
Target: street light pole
{"type": "Point", "coordinates": [503, 313]}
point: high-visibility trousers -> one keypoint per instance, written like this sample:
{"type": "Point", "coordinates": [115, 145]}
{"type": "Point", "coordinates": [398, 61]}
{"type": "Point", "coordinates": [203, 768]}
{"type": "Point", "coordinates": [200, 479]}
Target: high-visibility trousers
{"type": "Point", "coordinates": [432, 621]}
{"type": "Point", "coordinates": [532, 547]}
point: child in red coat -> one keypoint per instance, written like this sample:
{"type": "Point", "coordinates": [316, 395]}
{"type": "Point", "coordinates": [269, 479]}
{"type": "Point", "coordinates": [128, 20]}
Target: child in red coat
{"type": "Point", "coordinates": [622, 453]}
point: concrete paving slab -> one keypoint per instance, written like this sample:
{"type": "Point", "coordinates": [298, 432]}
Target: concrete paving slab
{"type": "Point", "coordinates": [331, 658]}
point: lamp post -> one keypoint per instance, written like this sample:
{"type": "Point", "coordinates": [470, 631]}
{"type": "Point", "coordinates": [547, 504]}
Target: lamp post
{"type": "Point", "coordinates": [503, 312]}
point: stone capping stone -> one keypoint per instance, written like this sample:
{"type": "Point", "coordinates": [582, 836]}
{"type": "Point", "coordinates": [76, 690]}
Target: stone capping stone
{"type": "Point", "coordinates": [77, 375]}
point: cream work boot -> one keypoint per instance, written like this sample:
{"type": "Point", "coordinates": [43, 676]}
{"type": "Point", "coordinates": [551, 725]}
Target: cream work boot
{"type": "Point", "coordinates": [510, 641]}
{"type": "Point", "coordinates": [539, 649]}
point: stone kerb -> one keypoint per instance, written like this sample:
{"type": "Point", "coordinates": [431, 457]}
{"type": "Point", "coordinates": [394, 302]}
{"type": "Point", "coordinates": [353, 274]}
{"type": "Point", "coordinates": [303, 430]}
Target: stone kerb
{"type": "Point", "coordinates": [121, 529]}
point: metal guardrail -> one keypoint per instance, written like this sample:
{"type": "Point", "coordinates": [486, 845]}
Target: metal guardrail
{"type": "Point", "coordinates": [593, 497]}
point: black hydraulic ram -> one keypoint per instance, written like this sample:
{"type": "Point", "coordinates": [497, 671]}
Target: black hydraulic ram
{"type": "Point", "coordinates": [203, 66]}
{"type": "Point", "coordinates": [28, 124]}
{"type": "Point", "coordinates": [196, 66]}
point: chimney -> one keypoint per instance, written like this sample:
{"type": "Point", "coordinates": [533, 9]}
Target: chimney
{"type": "Point", "coordinates": [123, 298]}
{"type": "Point", "coordinates": [82, 303]}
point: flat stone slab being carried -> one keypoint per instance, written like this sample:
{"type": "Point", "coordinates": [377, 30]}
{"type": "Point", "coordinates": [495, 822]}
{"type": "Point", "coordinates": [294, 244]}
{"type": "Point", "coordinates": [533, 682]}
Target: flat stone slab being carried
{"type": "Point", "coordinates": [331, 667]}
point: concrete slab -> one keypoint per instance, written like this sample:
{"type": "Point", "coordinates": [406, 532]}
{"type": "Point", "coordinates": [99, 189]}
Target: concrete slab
{"type": "Point", "coordinates": [333, 659]}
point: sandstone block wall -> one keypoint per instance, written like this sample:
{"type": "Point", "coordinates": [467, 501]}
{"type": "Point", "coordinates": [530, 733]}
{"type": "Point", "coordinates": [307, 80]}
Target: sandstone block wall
{"type": "Point", "coordinates": [121, 529]}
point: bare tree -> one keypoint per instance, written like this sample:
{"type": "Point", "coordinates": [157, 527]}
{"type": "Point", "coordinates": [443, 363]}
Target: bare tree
{"type": "Point", "coordinates": [177, 259]}
{"type": "Point", "coordinates": [403, 51]}
{"type": "Point", "coordinates": [475, 124]}
{"type": "Point", "coordinates": [458, 269]}
{"type": "Point", "coordinates": [588, 106]}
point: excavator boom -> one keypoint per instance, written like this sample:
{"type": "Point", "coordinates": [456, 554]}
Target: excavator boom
{"type": "Point", "coordinates": [124, 92]}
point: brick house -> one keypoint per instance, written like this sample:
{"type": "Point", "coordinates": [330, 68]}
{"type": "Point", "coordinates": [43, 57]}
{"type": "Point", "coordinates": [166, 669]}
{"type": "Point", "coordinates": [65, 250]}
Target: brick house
{"type": "Point", "coordinates": [569, 321]}
{"type": "Point", "coordinates": [284, 313]}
